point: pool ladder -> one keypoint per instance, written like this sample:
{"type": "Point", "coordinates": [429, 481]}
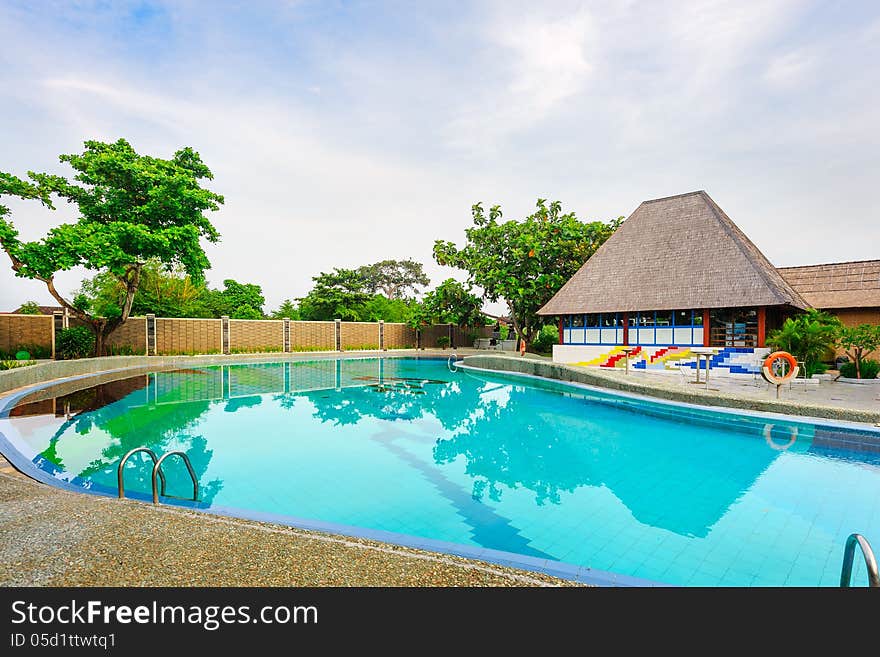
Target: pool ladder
{"type": "Point", "coordinates": [157, 474]}
{"type": "Point", "coordinates": [451, 362]}
{"type": "Point", "coordinates": [870, 562]}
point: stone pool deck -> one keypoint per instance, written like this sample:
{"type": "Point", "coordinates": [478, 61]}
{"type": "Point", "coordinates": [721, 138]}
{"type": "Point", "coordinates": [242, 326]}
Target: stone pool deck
{"type": "Point", "coordinates": [51, 537]}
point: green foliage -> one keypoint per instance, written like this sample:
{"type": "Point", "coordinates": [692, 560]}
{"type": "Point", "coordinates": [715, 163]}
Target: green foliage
{"type": "Point", "coordinates": [13, 364]}
{"type": "Point", "coordinates": [125, 350]}
{"type": "Point", "coordinates": [546, 338]}
{"type": "Point", "coordinates": [34, 351]}
{"type": "Point", "coordinates": [443, 341]}
{"type": "Point", "coordinates": [393, 278]}
{"type": "Point", "coordinates": [286, 309]}
{"type": "Point", "coordinates": [131, 208]}
{"type": "Point", "coordinates": [451, 302]}
{"type": "Point", "coordinates": [524, 262]}
{"type": "Point", "coordinates": [389, 310]}
{"type": "Point", "coordinates": [74, 342]}
{"type": "Point", "coordinates": [868, 369]}
{"type": "Point", "coordinates": [238, 300]}
{"type": "Point", "coordinates": [807, 337]}
{"type": "Point", "coordinates": [859, 342]}
{"type": "Point", "coordinates": [341, 294]}
{"type": "Point", "coordinates": [255, 350]}
{"type": "Point", "coordinates": [30, 308]}
{"type": "Point", "coordinates": [363, 347]}
{"type": "Point", "coordinates": [163, 292]}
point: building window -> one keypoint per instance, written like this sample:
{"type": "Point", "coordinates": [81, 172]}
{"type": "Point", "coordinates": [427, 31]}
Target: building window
{"type": "Point", "coordinates": [577, 321]}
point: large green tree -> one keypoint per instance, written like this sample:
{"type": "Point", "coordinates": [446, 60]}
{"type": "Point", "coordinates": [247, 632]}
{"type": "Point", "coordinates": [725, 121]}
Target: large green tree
{"type": "Point", "coordinates": [393, 278]}
{"type": "Point", "coordinates": [524, 263]}
{"type": "Point", "coordinates": [238, 300]}
{"type": "Point", "coordinates": [162, 292]}
{"type": "Point", "coordinates": [132, 208]}
{"type": "Point", "coordinates": [340, 294]}
{"type": "Point", "coordinates": [451, 302]}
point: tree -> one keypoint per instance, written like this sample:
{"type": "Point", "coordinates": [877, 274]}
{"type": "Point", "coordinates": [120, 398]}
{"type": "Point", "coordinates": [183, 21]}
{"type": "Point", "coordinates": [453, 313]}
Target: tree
{"type": "Point", "coordinates": [340, 294]}
{"type": "Point", "coordinates": [286, 309]}
{"type": "Point", "coordinates": [30, 308]}
{"type": "Point", "coordinates": [858, 342]}
{"type": "Point", "coordinates": [162, 292]}
{"type": "Point", "coordinates": [238, 300]}
{"type": "Point", "coordinates": [452, 303]}
{"type": "Point", "coordinates": [807, 337]}
{"type": "Point", "coordinates": [524, 262]}
{"type": "Point", "coordinates": [131, 208]}
{"type": "Point", "coordinates": [393, 277]}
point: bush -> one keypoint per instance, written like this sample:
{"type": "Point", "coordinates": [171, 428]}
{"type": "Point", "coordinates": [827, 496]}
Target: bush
{"type": "Point", "coordinates": [869, 369]}
{"type": "Point", "coordinates": [807, 337]}
{"type": "Point", "coordinates": [546, 338]}
{"type": "Point", "coordinates": [443, 341]}
{"type": "Point", "coordinates": [33, 350]}
{"type": "Point", "coordinates": [74, 342]}
{"type": "Point", "coordinates": [12, 364]}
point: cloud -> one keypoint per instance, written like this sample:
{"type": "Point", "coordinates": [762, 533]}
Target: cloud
{"type": "Point", "coordinates": [343, 133]}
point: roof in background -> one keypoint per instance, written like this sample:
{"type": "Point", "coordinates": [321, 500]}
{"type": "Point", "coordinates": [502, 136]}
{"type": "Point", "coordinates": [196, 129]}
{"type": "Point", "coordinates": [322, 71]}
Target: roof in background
{"type": "Point", "coordinates": [837, 284]}
{"type": "Point", "coordinates": [675, 252]}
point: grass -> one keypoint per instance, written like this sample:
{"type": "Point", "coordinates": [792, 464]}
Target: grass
{"type": "Point", "coordinates": [254, 350]}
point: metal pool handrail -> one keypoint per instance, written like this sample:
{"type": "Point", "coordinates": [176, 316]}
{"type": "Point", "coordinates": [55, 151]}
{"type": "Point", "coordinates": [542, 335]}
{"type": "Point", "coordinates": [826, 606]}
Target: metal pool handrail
{"type": "Point", "coordinates": [450, 363]}
{"type": "Point", "coordinates": [157, 471]}
{"type": "Point", "coordinates": [119, 474]}
{"type": "Point", "coordinates": [870, 561]}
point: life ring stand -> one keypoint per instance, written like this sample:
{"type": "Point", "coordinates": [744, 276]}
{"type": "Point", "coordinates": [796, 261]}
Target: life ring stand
{"type": "Point", "coordinates": [767, 369]}
{"type": "Point", "coordinates": [768, 438]}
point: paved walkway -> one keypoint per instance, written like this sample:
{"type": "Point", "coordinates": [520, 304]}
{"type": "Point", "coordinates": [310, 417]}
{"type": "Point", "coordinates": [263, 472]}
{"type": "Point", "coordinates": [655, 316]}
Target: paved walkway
{"type": "Point", "coordinates": [826, 393]}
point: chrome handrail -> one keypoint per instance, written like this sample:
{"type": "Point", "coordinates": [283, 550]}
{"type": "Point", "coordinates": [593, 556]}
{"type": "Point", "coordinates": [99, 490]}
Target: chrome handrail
{"type": "Point", "coordinates": [450, 363]}
{"type": "Point", "coordinates": [870, 561]}
{"type": "Point", "coordinates": [119, 475]}
{"type": "Point", "coordinates": [157, 470]}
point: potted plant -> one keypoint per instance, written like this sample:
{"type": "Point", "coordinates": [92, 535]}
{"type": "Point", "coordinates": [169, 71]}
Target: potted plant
{"type": "Point", "coordinates": [443, 341]}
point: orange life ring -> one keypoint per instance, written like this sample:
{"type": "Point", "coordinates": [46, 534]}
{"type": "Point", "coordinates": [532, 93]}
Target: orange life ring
{"type": "Point", "coordinates": [770, 375]}
{"type": "Point", "coordinates": [522, 347]}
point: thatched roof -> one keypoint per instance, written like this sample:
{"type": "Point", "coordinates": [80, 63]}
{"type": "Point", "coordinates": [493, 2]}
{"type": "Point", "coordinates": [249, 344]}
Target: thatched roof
{"type": "Point", "coordinates": [675, 252]}
{"type": "Point", "coordinates": [837, 284]}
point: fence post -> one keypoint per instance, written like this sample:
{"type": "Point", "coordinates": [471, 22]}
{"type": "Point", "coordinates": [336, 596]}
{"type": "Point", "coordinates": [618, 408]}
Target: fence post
{"type": "Point", "coordinates": [338, 329]}
{"type": "Point", "coordinates": [151, 334]}
{"type": "Point", "coordinates": [53, 335]}
{"type": "Point", "coordinates": [381, 335]}
{"type": "Point", "coordinates": [285, 344]}
{"type": "Point", "coordinates": [225, 347]}
{"type": "Point", "coordinates": [451, 335]}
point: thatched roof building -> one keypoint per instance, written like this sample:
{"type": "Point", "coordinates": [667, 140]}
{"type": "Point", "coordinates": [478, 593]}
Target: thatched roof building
{"type": "Point", "coordinates": [837, 285]}
{"type": "Point", "coordinates": [675, 252]}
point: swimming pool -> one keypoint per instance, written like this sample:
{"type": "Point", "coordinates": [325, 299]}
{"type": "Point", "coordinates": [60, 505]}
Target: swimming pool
{"type": "Point", "coordinates": [612, 488]}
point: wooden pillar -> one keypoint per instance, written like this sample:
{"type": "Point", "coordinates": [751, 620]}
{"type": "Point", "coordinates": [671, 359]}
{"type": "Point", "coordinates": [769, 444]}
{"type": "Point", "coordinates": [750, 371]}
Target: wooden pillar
{"type": "Point", "coordinates": [706, 329]}
{"type": "Point", "coordinates": [762, 326]}
{"type": "Point", "coordinates": [625, 329]}
{"type": "Point", "coordinates": [561, 333]}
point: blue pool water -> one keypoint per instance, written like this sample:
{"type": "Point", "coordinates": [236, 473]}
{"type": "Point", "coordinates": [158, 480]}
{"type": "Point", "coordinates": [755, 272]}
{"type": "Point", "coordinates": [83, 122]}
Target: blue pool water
{"type": "Point", "coordinates": [669, 494]}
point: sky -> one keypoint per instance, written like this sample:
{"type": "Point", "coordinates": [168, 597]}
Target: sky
{"type": "Point", "coordinates": [344, 133]}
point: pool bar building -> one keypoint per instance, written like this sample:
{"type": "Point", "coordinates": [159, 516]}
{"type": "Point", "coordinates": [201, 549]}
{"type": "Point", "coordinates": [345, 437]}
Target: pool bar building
{"type": "Point", "coordinates": [677, 274]}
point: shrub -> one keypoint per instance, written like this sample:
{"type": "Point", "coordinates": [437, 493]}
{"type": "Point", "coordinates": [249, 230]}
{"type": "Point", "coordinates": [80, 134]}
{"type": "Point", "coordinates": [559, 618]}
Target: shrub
{"type": "Point", "coordinates": [546, 338]}
{"type": "Point", "coordinates": [34, 351]}
{"type": "Point", "coordinates": [443, 341]}
{"type": "Point", "coordinates": [869, 369]}
{"type": "Point", "coordinates": [126, 350]}
{"type": "Point", "coordinates": [807, 337]}
{"type": "Point", "coordinates": [74, 342]}
{"type": "Point", "coordinates": [12, 364]}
